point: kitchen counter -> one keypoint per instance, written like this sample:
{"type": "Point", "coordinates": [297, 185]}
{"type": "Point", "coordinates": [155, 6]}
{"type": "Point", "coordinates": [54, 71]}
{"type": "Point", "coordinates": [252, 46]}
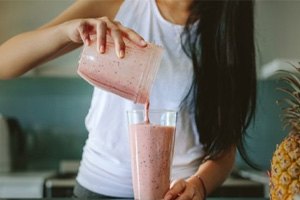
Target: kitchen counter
{"type": "Point", "coordinates": [240, 198]}
{"type": "Point", "coordinates": [214, 198]}
{"type": "Point", "coordinates": [22, 185]}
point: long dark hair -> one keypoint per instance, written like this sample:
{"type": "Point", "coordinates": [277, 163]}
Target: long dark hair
{"type": "Point", "coordinates": [219, 38]}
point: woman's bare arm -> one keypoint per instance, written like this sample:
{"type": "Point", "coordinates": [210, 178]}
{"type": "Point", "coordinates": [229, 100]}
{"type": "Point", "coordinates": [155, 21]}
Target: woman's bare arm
{"type": "Point", "coordinates": [209, 176]}
{"type": "Point", "coordinates": [30, 49]}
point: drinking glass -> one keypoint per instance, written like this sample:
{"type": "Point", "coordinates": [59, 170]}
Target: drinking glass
{"type": "Point", "coordinates": [152, 146]}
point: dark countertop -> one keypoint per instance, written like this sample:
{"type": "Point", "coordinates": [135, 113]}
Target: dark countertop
{"type": "Point", "coordinates": [210, 198]}
{"type": "Point", "coordinates": [236, 198]}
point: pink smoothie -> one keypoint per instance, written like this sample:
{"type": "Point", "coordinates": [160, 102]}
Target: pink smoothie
{"type": "Point", "coordinates": [152, 150]}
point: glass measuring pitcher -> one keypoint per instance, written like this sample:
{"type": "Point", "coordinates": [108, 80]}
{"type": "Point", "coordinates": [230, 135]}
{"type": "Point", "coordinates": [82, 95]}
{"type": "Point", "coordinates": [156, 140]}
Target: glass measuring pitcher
{"type": "Point", "coordinates": [130, 77]}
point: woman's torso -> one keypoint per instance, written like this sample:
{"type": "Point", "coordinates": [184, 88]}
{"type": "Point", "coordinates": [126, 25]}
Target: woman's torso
{"type": "Point", "coordinates": [105, 166]}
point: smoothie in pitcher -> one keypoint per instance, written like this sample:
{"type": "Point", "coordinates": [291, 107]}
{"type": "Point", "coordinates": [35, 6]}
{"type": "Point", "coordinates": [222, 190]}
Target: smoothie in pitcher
{"type": "Point", "coordinates": [130, 77]}
{"type": "Point", "coordinates": [152, 150]}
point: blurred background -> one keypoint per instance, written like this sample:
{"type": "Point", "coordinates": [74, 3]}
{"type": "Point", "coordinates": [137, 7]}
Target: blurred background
{"type": "Point", "coordinates": [50, 102]}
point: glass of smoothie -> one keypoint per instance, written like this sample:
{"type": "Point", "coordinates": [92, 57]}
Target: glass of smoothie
{"type": "Point", "coordinates": [152, 146]}
{"type": "Point", "coordinates": [130, 77]}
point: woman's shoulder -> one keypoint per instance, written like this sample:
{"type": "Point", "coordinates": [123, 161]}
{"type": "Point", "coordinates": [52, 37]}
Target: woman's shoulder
{"type": "Point", "coordinates": [110, 8]}
{"type": "Point", "coordinates": [99, 8]}
{"type": "Point", "coordinates": [132, 10]}
{"type": "Point", "coordinates": [135, 4]}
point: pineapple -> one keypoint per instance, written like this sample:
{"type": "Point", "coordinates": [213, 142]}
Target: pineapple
{"type": "Point", "coordinates": [285, 164]}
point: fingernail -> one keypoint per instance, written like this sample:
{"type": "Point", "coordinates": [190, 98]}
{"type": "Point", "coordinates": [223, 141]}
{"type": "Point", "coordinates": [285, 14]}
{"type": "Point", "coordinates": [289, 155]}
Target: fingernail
{"type": "Point", "coordinates": [87, 42]}
{"type": "Point", "coordinates": [143, 42]}
{"type": "Point", "coordinates": [101, 49]}
{"type": "Point", "coordinates": [121, 53]}
{"type": "Point", "coordinates": [168, 197]}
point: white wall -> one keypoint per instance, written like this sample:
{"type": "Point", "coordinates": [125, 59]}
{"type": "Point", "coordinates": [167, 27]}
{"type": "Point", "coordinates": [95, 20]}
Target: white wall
{"type": "Point", "coordinates": [277, 30]}
{"type": "Point", "coordinates": [22, 15]}
{"type": "Point", "coordinates": [17, 16]}
{"type": "Point", "coordinates": [277, 26]}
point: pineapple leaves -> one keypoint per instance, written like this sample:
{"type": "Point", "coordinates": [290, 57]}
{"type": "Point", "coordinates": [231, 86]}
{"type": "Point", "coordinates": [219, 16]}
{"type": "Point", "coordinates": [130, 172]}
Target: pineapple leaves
{"type": "Point", "coordinates": [293, 81]}
{"type": "Point", "coordinates": [295, 96]}
{"type": "Point", "coordinates": [291, 112]}
{"type": "Point", "coordinates": [290, 105]}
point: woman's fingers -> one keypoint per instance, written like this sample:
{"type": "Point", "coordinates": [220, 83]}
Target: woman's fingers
{"type": "Point", "coordinates": [182, 190]}
{"type": "Point", "coordinates": [117, 35]}
{"type": "Point", "coordinates": [177, 188]}
{"type": "Point", "coordinates": [132, 35]}
{"type": "Point", "coordinates": [100, 27]}
{"type": "Point", "coordinates": [119, 43]}
{"type": "Point", "coordinates": [84, 33]}
{"type": "Point", "coordinates": [118, 31]}
{"type": "Point", "coordinates": [101, 36]}
{"type": "Point", "coordinates": [189, 193]}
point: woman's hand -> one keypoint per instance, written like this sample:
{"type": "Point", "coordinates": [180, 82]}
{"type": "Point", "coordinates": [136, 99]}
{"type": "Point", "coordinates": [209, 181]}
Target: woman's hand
{"type": "Point", "coordinates": [80, 31]}
{"type": "Point", "coordinates": [190, 189]}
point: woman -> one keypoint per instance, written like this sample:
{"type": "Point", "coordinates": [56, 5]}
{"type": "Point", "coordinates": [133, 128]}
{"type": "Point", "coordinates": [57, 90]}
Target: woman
{"type": "Point", "coordinates": [207, 74]}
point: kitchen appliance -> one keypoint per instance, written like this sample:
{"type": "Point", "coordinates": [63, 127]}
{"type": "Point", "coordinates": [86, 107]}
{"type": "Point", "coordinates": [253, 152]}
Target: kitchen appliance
{"type": "Point", "coordinates": [5, 159]}
{"type": "Point", "coordinates": [62, 184]}
{"type": "Point", "coordinates": [23, 184]}
{"type": "Point", "coordinates": [12, 145]}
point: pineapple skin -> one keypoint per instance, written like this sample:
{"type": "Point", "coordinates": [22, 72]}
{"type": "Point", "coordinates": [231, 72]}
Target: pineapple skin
{"type": "Point", "coordinates": [285, 168]}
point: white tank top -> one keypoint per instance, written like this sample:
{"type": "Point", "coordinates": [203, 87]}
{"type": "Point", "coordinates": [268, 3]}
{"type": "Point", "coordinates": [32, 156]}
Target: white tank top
{"type": "Point", "coordinates": [105, 166]}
